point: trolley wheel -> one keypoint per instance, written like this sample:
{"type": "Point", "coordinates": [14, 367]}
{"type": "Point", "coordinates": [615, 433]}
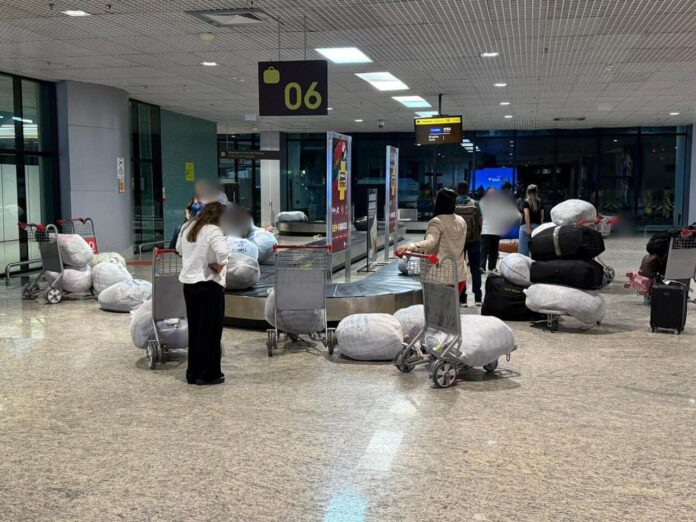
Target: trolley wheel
{"type": "Point", "coordinates": [151, 353]}
{"type": "Point", "coordinates": [161, 354]}
{"type": "Point", "coordinates": [30, 291]}
{"type": "Point", "coordinates": [331, 340]}
{"type": "Point", "coordinates": [491, 366]}
{"type": "Point", "coordinates": [294, 338]}
{"type": "Point", "coordinates": [444, 374]}
{"type": "Point", "coordinates": [271, 341]}
{"type": "Point", "coordinates": [54, 295]}
{"type": "Point", "coordinates": [405, 359]}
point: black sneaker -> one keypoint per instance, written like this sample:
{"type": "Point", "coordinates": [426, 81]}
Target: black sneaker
{"type": "Point", "coordinates": [201, 382]}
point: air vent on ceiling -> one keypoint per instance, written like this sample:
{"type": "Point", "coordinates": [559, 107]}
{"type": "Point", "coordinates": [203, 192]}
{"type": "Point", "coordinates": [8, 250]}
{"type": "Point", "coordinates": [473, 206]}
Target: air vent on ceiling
{"type": "Point", "coordinates": [582, 118]}
{"type": "Point", "coordinates": [232, 17]}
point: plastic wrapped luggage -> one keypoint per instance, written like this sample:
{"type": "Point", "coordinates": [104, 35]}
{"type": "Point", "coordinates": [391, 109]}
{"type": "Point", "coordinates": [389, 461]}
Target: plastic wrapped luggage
{"type": "Point", "coordinates": [74, 250]}
{"type": "Point", "coordinates": [506, 300]}
{"type": "Point", "coordinates": [294, 216]}
{"type": "Point", "coordinates": [369, 337]}
{"type": "Point", "coordinates": [125, 296]}
{"type": "Point", "coordinates": [108, 257]}
{"type": "Point", "coordinates": [572, 211]}
{"type": "Point", "coordinates": [293, 322]}
{"type": "Point", "coordinates": [412, 320]}
{"type": "Point", "coordinates": [106, 274]}
{"type": "Point", "coordinates": [242, 272]}
{"type": "Point", "coordinates": [583, 306]}
{"type": "Point", "coordinates": [174, 332]}
{"type": "Point", "coordinates": [244, 247]}
{"type": "Point", "coordinates": [542, 227]}
{"type": "Point", "coordinates": [652, 264]}
{"type": "Point", "coordinates": [515, 268]}
{"type": "Point", "coordinates": [566, 242]}
{"type": "Point", "coordinates": [484, 340]}
{"type": "Point", "coordinates": [641, 284]}
{"type": "Point", "coordinates": [75, 280]}
{"type": "Point", "coordinates": [265, 241]}
{"type": "Point", "coordinates": [576, 273]}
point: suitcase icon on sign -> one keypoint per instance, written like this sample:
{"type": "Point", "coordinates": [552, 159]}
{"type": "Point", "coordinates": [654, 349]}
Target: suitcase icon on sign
{"type": "Point", "coordinates": [271, 76]}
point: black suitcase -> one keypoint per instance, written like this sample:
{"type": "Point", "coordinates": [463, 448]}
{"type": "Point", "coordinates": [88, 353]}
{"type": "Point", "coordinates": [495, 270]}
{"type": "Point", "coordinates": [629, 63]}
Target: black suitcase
{"type": "Point", "coordinates": [566, 242]}
{"type": "Point", "coordinates": [668, 302]}
{"type": "Point", "coordinates": [577, 273]}
{"type": "Point", "coordinates": [506, 301]}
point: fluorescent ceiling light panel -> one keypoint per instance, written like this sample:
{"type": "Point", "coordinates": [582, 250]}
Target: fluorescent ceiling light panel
{"type": "Point", "coordinates": [489, 54]}
{"type": "Point", "coordinates": [504, 103]}
{"type": "Point", "coordinates": [427, 114]}
{"type": "Point", "coordinates": [75, 12]}
{"type": "Point", "coordinates": [412, 102]}
{"type": "Point", "coordinates": [383, 81]}
{"type": "Point", "coordinates": [344, 54]}
{"type": "Point", "coordinates": [358, 120]}
{"type": "Point", "coordinates": [508, 116]}
{"type": "Point", "coordinates": [674, 114]}
{"type": "Point", "coordinates": [500, 84]}
{"type": "Point", "coordinates": [209, 64]}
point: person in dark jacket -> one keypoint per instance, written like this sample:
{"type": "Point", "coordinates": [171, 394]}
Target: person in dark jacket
{"type": "Point", "coordinates": [469, 209]}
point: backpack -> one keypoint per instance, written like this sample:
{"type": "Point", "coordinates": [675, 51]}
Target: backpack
{"type": "Point", "coordinates": [472, 215]}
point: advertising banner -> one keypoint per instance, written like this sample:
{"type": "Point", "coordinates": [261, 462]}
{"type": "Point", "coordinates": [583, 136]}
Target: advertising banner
{"type": "Point", "coordinates": [391, 200]}
{"type": "Point", "coordinates": [338, 197]}
{"type": "Point", "coordinates": [371, 226]}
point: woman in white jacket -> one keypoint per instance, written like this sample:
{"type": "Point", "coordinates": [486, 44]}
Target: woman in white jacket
{"type": "Point", "coordinates": [500, 214]}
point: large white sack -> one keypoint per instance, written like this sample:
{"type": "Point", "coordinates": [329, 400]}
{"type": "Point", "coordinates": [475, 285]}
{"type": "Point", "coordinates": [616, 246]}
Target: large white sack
{"type": "Point", "coordinates": [542, 227]}
{"type": "Point", "coordinates": [125, 296]}
{"type": "Point", "coordinates": [265, 241]}
{"type": "Point", "coordinates": [242, 272]}
{"type": "Point", "coordinates": [243, 247]}
{"type": "Point", "coordinates": [291, 217]}
{"type": "Point", "coordinates": [583, 306]}
{"type": "Point", "coordinates": [370, 337]}
{"type": "Point", "coordinates": [571, 211]}
{"type": "Point", "coordinates": [106, 274]}
{"type": "Point", "coordinates": [484, 339]}
{"type": "Point", "coordinates": [412, 320]}
{"type": "Point", "coordinates": [108, 257]}
{"type": "Point", "coordinates": [410, 266]}
{"type": "Point", "coordinates": [74, 250]}
{"type": "Point", "coordinates": [515, 268]}
{"type": "Point", "coordinates": [173, 332]}
{"type": "Point", "coordinates": [74, 280]}
{"type": "Point", "coordinates": [293, 322]}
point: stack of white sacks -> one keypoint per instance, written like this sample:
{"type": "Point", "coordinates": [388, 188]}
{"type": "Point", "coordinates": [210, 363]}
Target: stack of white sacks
{"type": "Point", "coordinates": [77, 256]}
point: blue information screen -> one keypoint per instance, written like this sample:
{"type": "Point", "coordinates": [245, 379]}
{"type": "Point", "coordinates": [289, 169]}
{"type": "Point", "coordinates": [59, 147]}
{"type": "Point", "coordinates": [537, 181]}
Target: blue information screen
{"type": "Point", "coordinates": [494, 177]}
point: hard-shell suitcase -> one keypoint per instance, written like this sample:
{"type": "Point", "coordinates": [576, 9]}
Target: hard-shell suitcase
{"type": "Point", "coordinates": [668, 305]}
{"type": "Point", "coordinates": [650, 265]}
{"type": "Point", "coordinates": [576, 273]}
{"type": "Point", "coordinates": [566, 242]}
{"type": "Point", "coordinates": [506, 301]}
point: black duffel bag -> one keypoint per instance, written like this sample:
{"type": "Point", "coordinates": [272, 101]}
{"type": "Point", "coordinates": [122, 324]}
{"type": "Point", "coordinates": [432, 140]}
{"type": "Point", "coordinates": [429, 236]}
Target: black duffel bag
{"type": "Point", "coordinates": [506, 301]}
{"type": "Point", "coordinates": [577, 273]}
{"type": "Point", "coordinates": [566, 242]}
{"type": "Point", "coordinates": [658, 244]}
{"type": "Point", "coordinates": [361, 224]}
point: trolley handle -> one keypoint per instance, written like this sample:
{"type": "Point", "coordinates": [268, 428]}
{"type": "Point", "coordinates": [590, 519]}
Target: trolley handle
{"type": "Point", "coordinates": [686, 232]}
{"type": "Point", "coordinates": [25, 226]}
{"type": "Point", "coordinates": [328, 248]}
{"type": "Point", "coordinates": [433, 259]}
{"type": "Point", "coordinates": [61, 222]}
{"type": "Point", "coordinates": [158, 251]}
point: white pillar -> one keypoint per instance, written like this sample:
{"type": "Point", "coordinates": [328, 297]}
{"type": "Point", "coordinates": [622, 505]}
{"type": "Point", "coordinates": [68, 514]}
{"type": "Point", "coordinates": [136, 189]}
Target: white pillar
{"type": "Point", "coordinates": [270, 180]}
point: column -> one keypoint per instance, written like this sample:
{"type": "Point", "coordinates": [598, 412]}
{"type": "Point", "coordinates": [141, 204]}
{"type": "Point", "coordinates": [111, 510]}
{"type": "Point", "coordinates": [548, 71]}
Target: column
{"type": "Point", "coordinates": [270, 179]}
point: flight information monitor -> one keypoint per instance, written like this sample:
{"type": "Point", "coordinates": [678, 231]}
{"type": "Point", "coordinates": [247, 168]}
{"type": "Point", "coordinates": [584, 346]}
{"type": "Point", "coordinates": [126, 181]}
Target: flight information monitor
{"type": "Point", "coordinates": [438, 130]}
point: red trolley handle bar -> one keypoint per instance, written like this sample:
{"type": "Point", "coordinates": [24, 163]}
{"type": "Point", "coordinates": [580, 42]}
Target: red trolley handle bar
{"type": "Point", "coordinates": [62, 221]}
{"type": "Point", "coordinates": [159, 251]}
{"type": "Point", "coordinates": [24, 226]}
{"type": "Point", "coordinates": [433, 259]}
{"type": "Point", "coordinates": [688, 232]}
{"type": "Point", "coordinates": [328, 248]}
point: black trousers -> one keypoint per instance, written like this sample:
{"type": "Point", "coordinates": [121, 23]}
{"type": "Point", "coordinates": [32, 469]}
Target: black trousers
{"type": "Point", "coordinates": [489, 251]}
{"type": "Point", "coordinates": [205, 311]}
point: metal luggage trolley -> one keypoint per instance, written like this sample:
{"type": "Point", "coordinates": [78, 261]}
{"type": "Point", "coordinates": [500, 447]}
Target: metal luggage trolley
{"type": "Point", "coordinates": [301, 276]}
{"type": "Point", "coordinates": [442, 334]}
{"type": "Point", "coordinates": [603, 224]}
{"type": "Point", "coordinates": [167, 300]}
{"type": "Point", "coordinates": [82, 227]}
{"type": "Point", "coordinates": [681, 259]}
{"type": "Point", "coordinates": [46, 236]}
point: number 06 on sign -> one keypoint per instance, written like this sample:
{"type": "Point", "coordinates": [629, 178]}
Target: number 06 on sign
{"type": "Point", "coordinates": [297, 88]}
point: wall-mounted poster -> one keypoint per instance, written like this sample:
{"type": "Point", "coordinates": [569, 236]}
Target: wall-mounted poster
{"type": "Point", "coordinates": [338, 208]}
{"type": "Point", "coordinates": [391, 200]}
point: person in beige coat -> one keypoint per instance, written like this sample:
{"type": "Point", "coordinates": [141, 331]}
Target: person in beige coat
{"type": "Point", "coordinates": [446, 235]}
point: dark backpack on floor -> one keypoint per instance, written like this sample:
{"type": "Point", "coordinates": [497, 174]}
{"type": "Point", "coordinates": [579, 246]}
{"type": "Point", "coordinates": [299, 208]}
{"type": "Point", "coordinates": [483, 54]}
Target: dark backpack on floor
{"type": "Point", "coordinates": [506, 301]}
{"type": "Point", "coordinates": [566, 242]}
{"type": "Point", "coordinates": [576, 273]}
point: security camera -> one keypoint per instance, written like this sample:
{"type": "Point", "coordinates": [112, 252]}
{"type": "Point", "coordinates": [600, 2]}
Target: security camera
{"type": "Point", "coordinates": [380, 124]}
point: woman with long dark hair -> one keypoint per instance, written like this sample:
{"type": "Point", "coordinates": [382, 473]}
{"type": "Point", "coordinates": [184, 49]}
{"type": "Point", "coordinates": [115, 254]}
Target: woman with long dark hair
{"type": "Point", "coordinates": [533, 217]}
{"type": "Point", "coordinates": [204, 251]}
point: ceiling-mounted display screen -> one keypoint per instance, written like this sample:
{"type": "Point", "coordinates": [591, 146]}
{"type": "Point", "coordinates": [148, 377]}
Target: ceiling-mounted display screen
{"type": "Point", "coordinates": [438, 130]}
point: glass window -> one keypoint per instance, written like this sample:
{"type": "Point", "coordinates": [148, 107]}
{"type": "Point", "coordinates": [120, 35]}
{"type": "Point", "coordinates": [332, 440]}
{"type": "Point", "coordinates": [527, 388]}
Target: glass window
{"type": "Point", "coordinates": [655, 193]}
{"type": "Point", "coordinates": [618, 168]}
{"type": "Point", "coordinates": [305, 175]}
{"type": "Point", "coordinates": [7, 113]}
{"type": "Point", "coordinates": [37, 108]}
{"type": "Point", "coordinates": [241, 177]}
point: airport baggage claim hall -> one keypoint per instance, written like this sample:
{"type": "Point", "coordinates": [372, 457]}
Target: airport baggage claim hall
{"type": "Point", "coordinates": [368, 260]}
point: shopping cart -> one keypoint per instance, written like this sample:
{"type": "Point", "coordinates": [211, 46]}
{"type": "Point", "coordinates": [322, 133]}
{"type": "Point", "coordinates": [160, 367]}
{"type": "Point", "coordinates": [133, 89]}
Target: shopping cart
{"type": "Point", "coordinates": [168, 303]}
{"type": "Point", "coordinates": [603, 224]}
{"type": "Point", "coordinates": [301, 275]}
{"type": "Point", "coordinates": [83, 227]}
{"type": "Point", "coordinates": [46, 237]}
{"type": "Point", "coordinates": [442, 335]}
{"type": "Point", "coordinates": [681, 259]}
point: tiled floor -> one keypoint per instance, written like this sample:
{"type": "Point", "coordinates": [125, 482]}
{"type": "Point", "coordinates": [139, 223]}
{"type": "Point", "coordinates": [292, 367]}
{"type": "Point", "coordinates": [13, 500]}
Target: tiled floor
{"type": "Point", "coordinates": [592, 424]}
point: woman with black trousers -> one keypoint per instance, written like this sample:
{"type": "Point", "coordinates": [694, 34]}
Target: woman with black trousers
{"type": "Point", "coordinates": [204, 250]}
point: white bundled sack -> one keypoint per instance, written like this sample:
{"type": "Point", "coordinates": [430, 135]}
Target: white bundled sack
{"type": "Point", "coordinates": [410, 266]}
{"type": "Point", "coordinates": [542, 227]}
{"type": "Point", "coordinates": [265, 241]}
{"type": "Point", "coordinates": [242, 272]}
{"type": "Point", "coordinates": [74, 250]}
{"type": "Point", "coordinates": [125, 296]}
{"type": "Point", "coordinates": [515, 268]}
{"type": "Point", "coordinates": [583, 306]}
{"type": "Point", "coordinates": [370, 337]}
{"type": "Point", "coordinates": [293, 322]}
{"type": "Point", "coordinates": [173, 332]}
{"type": "Point", "coordinates": [484, 339]}
{"type": "Point", "coordinates": [78, 281]}
{"type": "Point", "coordinates": [106, 274]}
{"type": "Point", "coordinates": [244, 247]}
{"type": "Point", "coordinates": [108, 257]}
{"type": "Point", "coordinates": [412, 320]}
{"type": "Point", "coordinates": [291, 217]}
{"type": "Point", "coordinates": [573, 210]}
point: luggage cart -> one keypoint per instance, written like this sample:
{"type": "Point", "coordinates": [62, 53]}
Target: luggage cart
{"type": "Point", "coordinates": [301, 276]}
{"type": "Point", "coordinates": [82, 227]}
{"type": "Point", "coordinates": [167, 300]}
{"type": "Point", "coordinates": [603, 225]}
{"type": "Point", "coordinates": [46, 236]}
{"type": "Point", "coordinates": [681, 258]}
{"type": "Point", "coordinates": [442, 334]}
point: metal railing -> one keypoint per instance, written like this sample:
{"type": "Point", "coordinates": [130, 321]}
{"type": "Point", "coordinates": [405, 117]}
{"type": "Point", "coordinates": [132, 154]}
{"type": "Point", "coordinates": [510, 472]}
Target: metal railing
{"type": "Point", "coordinates": [152, 244]}
{"type": "Point", "coordinates": [655, 228]}
{"type": "Point", "coordinates": [9, 266]}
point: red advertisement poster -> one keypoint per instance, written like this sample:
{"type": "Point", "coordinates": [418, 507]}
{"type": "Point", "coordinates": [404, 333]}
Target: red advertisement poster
{"type": "Point", "coordinates": [338, 190]}
{"type": "Point", "coordinates": [393, 187]}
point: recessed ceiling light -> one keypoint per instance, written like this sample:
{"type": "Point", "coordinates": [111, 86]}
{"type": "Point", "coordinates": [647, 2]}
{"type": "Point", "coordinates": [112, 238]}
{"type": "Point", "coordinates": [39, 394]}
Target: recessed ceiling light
{"type": "Point", "coordinates": [329, 109]}
{"type": "Point", "coordinates": [75, 12]}
{"type": "Point", "coordinates": [508, 116]}
{"type": "Point", "coordinates": [500, 84]}
{"type": "Point", "coordinates": [427, 114]}
{"type": "Point", "coordinates": [383, 81]}
{"type": "Point", "coordinates": [489, 54]}
{"type": "Point", "coordinates": [413, 102]}
{"type": "Point", "coordinates": [674, 114]}
{"type": "Point", "coordinates": [209, 64]}
{"type": "Point", "coordinates": [344, 55]}
{"type": "Point", "coordinates": [504, 103]}
{"type": "Point", "coordinates": [616, 141]}
{"type": "Point", "coordinates": [359, 120]}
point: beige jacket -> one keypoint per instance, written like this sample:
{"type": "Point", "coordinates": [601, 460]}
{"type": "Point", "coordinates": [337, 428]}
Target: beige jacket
{"type": "Point", "coordinates": [446, 236]}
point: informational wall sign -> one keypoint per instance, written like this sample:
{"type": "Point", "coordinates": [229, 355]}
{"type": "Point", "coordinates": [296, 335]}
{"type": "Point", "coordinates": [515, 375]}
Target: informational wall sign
{"type": "Point", "coordinates": [250, 154]}
{"type": "Point", "coordinates": [338, 196]}
{"type": "Point", "coordinates": [190, 171]}
{"type": "Point", "coordinates": [438, 130]}
{"type": "Point", "coordinates": [391, 199]}
{"type": "Point", "coordinates": [121, 174]}
{"type": "Point", "coordinates": [371, 226]}
{"type": "Point", "coordinates": [297, 88]}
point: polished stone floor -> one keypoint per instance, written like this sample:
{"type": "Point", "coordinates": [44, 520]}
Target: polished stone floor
{"type": "Point", "coordinates": [595, 424]}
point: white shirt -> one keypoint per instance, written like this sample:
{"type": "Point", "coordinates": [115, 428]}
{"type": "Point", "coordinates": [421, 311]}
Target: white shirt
{"type": "Point", "coordinates": [210, 247]}
{"type": "Point", "coordinates": [499, 215]}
